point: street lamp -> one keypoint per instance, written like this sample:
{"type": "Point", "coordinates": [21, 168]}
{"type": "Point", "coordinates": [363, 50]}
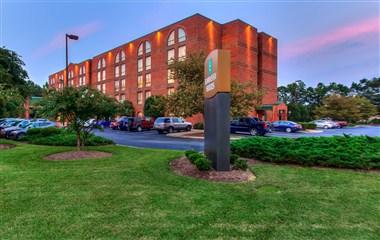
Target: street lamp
{"type": "Point", "coordinates": [72, 37]}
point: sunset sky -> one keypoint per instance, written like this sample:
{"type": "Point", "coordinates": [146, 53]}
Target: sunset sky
{"type": "Point", "coordinates": [318, 40]}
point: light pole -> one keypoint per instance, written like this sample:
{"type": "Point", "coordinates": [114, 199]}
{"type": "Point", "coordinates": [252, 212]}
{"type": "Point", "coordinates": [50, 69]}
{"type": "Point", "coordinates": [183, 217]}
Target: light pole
{"type": "Point", "coordinates": [73, 37]}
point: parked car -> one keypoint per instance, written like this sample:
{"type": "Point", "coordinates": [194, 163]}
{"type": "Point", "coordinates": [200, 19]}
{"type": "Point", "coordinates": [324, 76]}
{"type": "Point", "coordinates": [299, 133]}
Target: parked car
{"type": "Point", "coordinates": [251, 125]}
{"type": "Point", "coordinates": [118, 124]}
{"type": "Point", "coordinates": [171, 124]}
{"type": "Point", "coordinates": [139, 123]}
{"type": "Point", "coordinates": [4, 131]}
{"type": "Point", "coordinates": [104, 123]}
{"type": "Point", "coordinates": [287, 126]}
{"type": "Point", "coordinates": [21, 132]}
{"type": "Point", "coordinates": [325, 124]}
{"type": "Point", "coordinates": [342, 124]}
{"type": "Point", "coordinates": [11, 122]}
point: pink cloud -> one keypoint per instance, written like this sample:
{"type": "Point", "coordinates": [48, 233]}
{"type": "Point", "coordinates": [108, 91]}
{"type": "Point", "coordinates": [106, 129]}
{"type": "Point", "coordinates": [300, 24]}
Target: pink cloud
{"type": "Point", "coordinates": [58, 40]}
{"type": "Point", "coordinates": [338, 35]}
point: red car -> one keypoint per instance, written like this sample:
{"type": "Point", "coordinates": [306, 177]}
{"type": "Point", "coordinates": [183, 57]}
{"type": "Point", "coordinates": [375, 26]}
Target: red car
{"type": "Point", "coordinates": [342, 123]}
{"type": "Point", "coordinates": [140, 123]}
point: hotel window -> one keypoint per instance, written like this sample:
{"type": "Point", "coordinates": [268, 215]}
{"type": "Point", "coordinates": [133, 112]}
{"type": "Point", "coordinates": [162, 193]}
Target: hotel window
{"type": "Point", "coordinates": [99, 76]}
{"type": "Point", "coordinates": [99, 87]}
{"type": "Point", "coordinates": [147, 47]}
{"type": "Point", "coordinates": [122, 84]}
{"type": "Point", "coordinates": [123, 70]}
{"type": "Point", "coordinates": [171, 56]}
{"type": "Point", "coordinates": [139, 98]}
{"type": "Point", "coordinates": [147, 80]}
{"type": "Point", "coordinates": [139, 65]}
{"type": "Point", "coordinates": [181, 35]}
{"type": "Point", "coordinates": [84, 70]}
{"type": "Point", "coordinates": [181, 53]}
{"type": "Point", "coordinates": [104, 88]}
{"type": "Point", "coordinates": [122, 98]}
{"type": "Point", "coordinates": [171, 90]}
{"type": "Point", "coordinates": [117, 86]}
{"type": "Point", "coordinates": [139, 81]}
{"type": "Point", "coordinates": [147, 94]}
{"type": "Point", "coordinates": [170, 76]}
{"type": "Point", "coordinates": [122, 56]}
{"type": "Point", "coordinates": [103, 63]}
{"type": "Point", "coordinates": [99, 64]}
{"type": "Point", "coordinates": [117, 71]}
{"type": "Point", "coordinates": [148, 62]}
{"type": "Point", "coordinates": [171, 38]}
{"type": "Point", "coordinates": [117, 58]}
{"type": "Point", "coordinates": [80, 71]}
{"type": "Point", "coordinates": [140, 50]}
{"type": "Point", "coordinates": [117, 97]}
{"type": "Point", "coordinates": [104, 75]}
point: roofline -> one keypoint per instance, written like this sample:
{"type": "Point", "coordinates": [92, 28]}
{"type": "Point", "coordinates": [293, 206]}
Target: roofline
{"type": "Point", "coordinates": [239, 20]}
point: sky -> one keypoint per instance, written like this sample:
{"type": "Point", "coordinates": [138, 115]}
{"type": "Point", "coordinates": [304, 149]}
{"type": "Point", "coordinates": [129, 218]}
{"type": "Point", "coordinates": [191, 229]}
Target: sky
{"type": "Point", "coordinates": [318, 41]}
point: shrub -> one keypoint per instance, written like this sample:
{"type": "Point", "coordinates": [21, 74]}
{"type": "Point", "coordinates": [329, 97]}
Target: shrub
{"type": "Point", "coordinates": [375, 121]}
{"type": "Point", "coordinates": [199, 160]}
{"type": "Point", "coordinates": [199, 125]}
{"type": "Point", "coordinates": [233, 158]}
{"type": "Point", "coordinates": [308, 125]}
{"type": "Point", "coordinates": [240, 164]}
{"type": "Point", "coordinates": [44, 132]}
{"type": "Point", "coordinates": [347, 152]}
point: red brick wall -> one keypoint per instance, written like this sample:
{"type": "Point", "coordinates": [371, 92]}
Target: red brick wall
{"type": "Point", "coordinates": [253, 57]}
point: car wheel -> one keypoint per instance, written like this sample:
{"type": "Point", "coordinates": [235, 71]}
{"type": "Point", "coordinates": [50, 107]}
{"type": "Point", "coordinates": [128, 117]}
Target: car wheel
{"type": "Point", "coordinates": [170, 129]}
{"type": "Point", "coordinates": [325, 127]}
{"type": "Point", "coordinates": [188, 128]}
{"type": "Point", "coordinates": [253, 132]}
{"type": "Point", "coordinates": [288, 130]}
{"type": "Point", "coordinates": [20, 135]}
{"type": "Point", "coordinates": [139, 128]}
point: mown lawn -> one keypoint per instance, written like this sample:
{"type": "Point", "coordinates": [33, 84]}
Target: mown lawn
{"type": "Point", "coordinates": [134, 195]}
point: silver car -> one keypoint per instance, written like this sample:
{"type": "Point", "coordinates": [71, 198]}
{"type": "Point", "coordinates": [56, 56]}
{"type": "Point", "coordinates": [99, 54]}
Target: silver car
{"type": "Point", "coordinates": [324, 124]}
{"type": "Point", "coordinates": [21, 132]}
{"type": "Point", "coordinates": [171, 124]}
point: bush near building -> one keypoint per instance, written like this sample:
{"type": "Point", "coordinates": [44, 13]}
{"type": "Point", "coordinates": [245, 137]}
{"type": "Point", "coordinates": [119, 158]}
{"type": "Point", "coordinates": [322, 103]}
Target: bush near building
{"type": "Point", "coordinates": [343, 152]}
{"type": "Point", "coordinates": [308, 125]}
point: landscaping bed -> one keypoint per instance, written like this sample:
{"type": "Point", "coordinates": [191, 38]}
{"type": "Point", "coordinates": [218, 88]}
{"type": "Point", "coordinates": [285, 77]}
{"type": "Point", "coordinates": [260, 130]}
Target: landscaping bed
{"type": "Point", "coordinates": [343, 152]}
{"type": "Point", "coordinates": [6, 146]}
{"type": "Point", "coordinates": [77, 155]}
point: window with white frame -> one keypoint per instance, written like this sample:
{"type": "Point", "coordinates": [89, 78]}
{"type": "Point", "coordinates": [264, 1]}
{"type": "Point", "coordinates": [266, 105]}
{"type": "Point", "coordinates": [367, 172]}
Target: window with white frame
{"type": "Point", "coordinates": [122, 84]}
{"type": "Point", "coordinates": [139, 98]}
{"type": "Point", "coordinates": [181, 35]}
{"type": "Point", "coordinates": [99, 64]}
{"type": "Point", "coordinates": [117, 58]}
{"type": "Point", "coordinates": [148, 62]}
{"type": "Point", "coordinates": [99, 76]}
{"type": "Point", "coordinates": [122, 98]}
{"type": "Point", "coordinates": [147, 47]}
{"type": "Point", "coordinates": [181, 53]}
{"type": "Point", "coordinates": [99, 87]}
{"type": "Point", "coordinates": [139, 65]}
{"type": "Point", "coordinates": [171, 90]}
{"type": "Point", "coordinates": [171, 56]}
{"type": "Point", "coordinates": [140, 50]}
{"type": "Point", "coordinates": [122, 56]}
{"type": "Point", "coordinates": [104, 75]}
{"type": "Point", "coordinates": [123, 70]}
{"type": "Point", "coordinates": [147, 94]}
{"type": "Point", "coordinates": [170, 76]}
{"type": "Point", "coordinates": [148, 80]}
{"type": "Point", "coordinates": [117, 71]}
{"type": "Point", "coordinates": [103, 62]}
{"type": "Point", "coordinates": [117, 86]}
{"type": "Point", "coordinates": [171, 38]}
{"type": "Point", "coordinates": [104, 88]}
{"type": "Point", "coordinates": [139, 81]}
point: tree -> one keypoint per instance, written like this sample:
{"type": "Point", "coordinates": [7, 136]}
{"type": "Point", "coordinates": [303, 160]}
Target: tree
{"type": "Point", "coordinates": [76, 106]}
{"type": "Point", "coordinates": [245, 97]}
{"type": "Point", "coordinates": [155, 106]}
{"type": "Point", "coordinates": [125, 108]}
{"type": "Point", "coordinates": [369, 89]}
{"type": "Point", "coordinates": [188, 99]}
{"type": "Point", "coordinates": [11, 103]}
{"type": "Point", "coordinates": [351, 109]}
{"type": "Point", "coordinates": [12, 72]}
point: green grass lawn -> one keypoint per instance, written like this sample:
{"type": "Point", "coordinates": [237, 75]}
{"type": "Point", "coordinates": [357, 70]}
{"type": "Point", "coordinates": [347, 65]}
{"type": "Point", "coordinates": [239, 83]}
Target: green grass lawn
{"type": "Point", "coordinates": [134, 195]}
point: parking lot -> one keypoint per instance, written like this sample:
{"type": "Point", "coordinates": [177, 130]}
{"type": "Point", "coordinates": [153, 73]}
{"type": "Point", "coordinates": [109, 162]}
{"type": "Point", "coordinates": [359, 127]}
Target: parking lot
{"type": "Point", "coordinates": [151, 139]}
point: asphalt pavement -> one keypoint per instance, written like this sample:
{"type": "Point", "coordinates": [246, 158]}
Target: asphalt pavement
{"type": "Point", "coordinates": [151, 139]}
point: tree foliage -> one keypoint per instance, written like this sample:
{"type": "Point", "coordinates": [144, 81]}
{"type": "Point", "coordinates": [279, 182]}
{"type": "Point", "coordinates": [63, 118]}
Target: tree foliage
{"type": "Point", "coordinates": [188, 99]}
{"type": "Point", "coordinates": [155, 106]}
{"type": "Point", "coordinates": [11, 103]}
{"type": "Point", "coordinates": [351, 109]}
{"type": "Point", "coordinates": [76, 106]}
{"type": "Point", "coordinates": [125, 108]}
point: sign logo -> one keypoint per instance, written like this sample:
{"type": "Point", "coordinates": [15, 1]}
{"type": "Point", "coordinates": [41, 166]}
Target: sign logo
{"type": "Point", "coordinates": [209, 66]}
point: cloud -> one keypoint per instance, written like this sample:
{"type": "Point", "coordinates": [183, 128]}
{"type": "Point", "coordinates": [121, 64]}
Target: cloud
{"type": "Point", "coordinates": [337, 36]}
{"type": "Point", "coordinates": [58, 40]}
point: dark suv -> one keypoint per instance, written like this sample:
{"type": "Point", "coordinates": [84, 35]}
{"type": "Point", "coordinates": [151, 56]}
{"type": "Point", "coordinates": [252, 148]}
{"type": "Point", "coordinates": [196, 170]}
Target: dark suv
{"type": "Point", "coordinates": [251, 125]}
{"type": "Point", "coordinates": [171, 124]}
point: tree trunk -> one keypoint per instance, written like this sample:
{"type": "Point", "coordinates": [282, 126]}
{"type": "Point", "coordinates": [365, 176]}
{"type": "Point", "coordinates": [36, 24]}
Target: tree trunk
{"type": "Point", "coordinates": [78, 141]}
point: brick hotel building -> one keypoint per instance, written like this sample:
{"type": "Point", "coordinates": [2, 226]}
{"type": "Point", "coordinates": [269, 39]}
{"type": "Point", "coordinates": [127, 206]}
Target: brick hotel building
{"type": "Point", "coordinates": [139, 69]}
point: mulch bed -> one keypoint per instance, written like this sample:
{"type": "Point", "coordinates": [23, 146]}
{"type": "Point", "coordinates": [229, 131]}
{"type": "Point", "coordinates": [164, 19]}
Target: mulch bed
{"type": "Point", "coordinates": [6, 146]}
{"type": "Point", "coordinates": [183, 166]}
{"type": "Point", "coordinates": [77, 155]}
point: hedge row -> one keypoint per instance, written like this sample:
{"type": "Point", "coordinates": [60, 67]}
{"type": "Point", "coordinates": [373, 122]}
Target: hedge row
{"type": "Point", "coordinates": [340, 151]}
{"type": "Point", "coordinates": [308, 125]}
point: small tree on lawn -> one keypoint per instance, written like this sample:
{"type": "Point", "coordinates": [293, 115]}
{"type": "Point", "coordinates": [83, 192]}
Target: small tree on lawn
{"type": "Point", "coordinates": [76, 106]}
{"type": "Point", "coordinates": [155, 106]}
{"type": "Point", "coordinates": [188, 99]}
